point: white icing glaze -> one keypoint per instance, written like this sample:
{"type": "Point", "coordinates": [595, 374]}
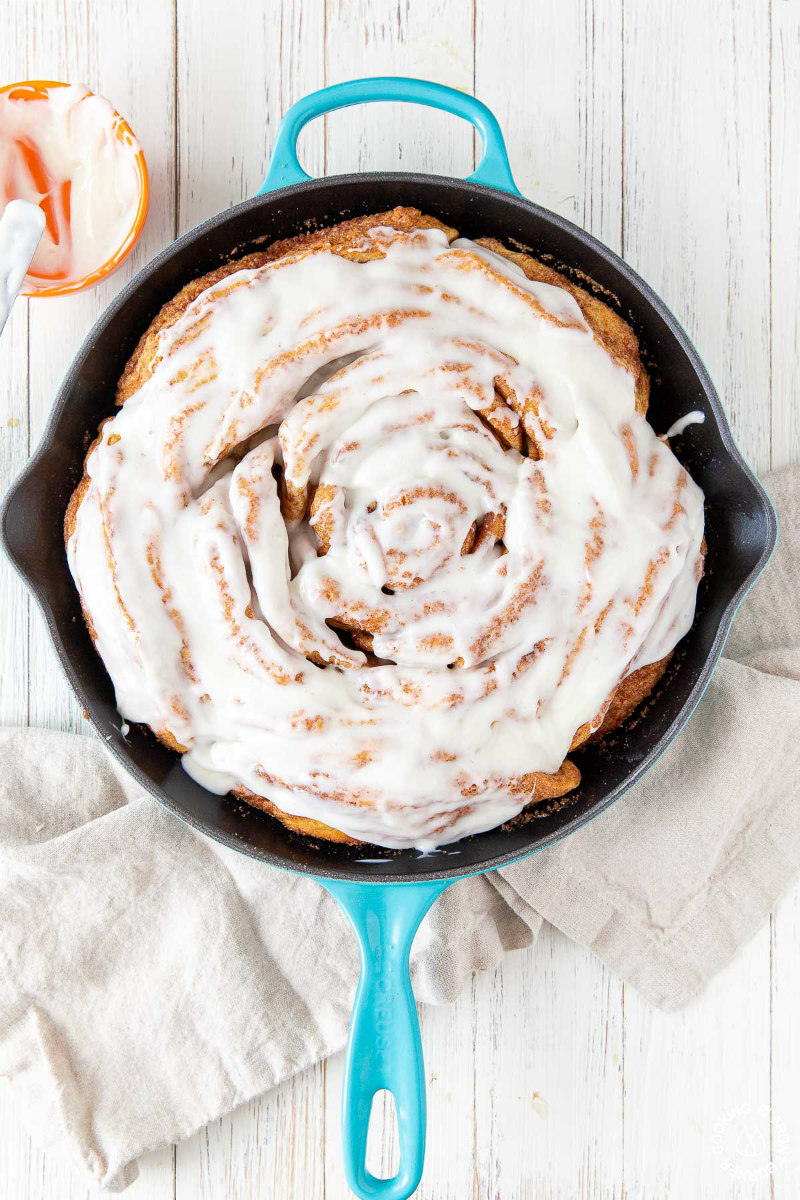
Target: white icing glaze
{"type": "Point", "coordinates": [21, 227]}
{"type": "Point", "coordinates": [205, 601]}
{"type": "Point", "coordinates": [682, 423]}
{"type": "Point", "coordinates": [67, 151]}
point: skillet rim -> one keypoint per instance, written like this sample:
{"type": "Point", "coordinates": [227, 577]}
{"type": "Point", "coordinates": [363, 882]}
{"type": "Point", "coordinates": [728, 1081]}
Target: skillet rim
{"type": "Point", "coordinates": [540, 839]}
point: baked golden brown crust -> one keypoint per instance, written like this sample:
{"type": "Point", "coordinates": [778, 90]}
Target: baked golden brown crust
{"type": "Point", "coordinates": [548, 787]}
{"type": "Point", "coordinates": [609, 329]}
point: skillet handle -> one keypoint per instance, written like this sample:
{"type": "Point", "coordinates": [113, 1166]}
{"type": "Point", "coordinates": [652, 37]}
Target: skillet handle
{"type": "Point", "coordinates": [384, 1048]}
{"type": "Point", "coordinates": [284, 168]}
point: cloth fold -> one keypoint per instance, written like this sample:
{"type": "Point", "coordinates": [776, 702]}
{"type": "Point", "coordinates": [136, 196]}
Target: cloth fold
{"type": "Point", "coordinates": [152, 980]}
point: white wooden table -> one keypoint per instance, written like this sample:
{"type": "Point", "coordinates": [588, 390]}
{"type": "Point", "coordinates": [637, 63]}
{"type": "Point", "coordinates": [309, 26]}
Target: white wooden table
{"type": "Point", "coordinates": [669, 128]}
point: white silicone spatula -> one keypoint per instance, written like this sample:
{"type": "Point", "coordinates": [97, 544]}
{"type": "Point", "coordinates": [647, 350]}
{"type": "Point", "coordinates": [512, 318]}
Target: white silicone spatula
{"type": "Point", "coordinates": [21, 227]}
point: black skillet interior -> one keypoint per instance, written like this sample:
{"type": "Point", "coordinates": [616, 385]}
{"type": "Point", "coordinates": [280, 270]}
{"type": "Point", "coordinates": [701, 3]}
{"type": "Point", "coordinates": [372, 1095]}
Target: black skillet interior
{"type": "Point", "coordinates": [740, 521]}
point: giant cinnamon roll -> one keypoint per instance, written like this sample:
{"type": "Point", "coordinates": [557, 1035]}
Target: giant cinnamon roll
{"type": "Point", "coordinates": [380, 531]}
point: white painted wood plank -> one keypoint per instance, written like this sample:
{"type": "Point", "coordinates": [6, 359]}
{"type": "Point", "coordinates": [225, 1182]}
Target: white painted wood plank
{"type": "Point", "coordinates": [14, 434]}
{"type": "Point", "coordinates": [559, 103]}
{"type": "Point", "coordinates": [785, 194]}
{"type": "Point", "coordinates": [448, 1044]}
{"type": "Point", "coordinates": [548, 1076]}
{"type": "Point", "coordinates": [598, 201]}
{"type": "Point", "coordinates": [534, 95]}
{"type": "Point", "coordinates": [13, 454]}
{"type": "Point", "coordinates": [431, 39]}
{"type": "Point", "coordinates": [697, 1089]}
{"type": "Point", "coordinates": [785, 1146]}
{"type": "Point", "coordinates": [240, 66]}
{"type": "Point", "coordinates": [274, 1146]}
{"type": "Point", "coordinates": [696, 107]}
{"type": "Point", "coordinates": [696, 95]}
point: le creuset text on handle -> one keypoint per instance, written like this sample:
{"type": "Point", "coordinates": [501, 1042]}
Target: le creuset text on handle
{"type": "Point", "coordinates": [384, 1049]}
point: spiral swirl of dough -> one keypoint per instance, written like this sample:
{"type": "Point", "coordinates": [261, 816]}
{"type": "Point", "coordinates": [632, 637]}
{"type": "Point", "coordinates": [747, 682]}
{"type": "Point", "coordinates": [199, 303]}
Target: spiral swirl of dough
{"type": "Point", "coordinates": [380, 529]}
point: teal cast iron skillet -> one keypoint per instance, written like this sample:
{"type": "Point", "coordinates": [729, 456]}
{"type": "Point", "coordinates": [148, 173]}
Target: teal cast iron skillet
{"type": "Point", "coordinates": [387, 893]}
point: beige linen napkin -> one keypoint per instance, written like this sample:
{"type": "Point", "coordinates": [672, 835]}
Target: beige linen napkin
{"type": "Point", "coordinates": [151, 980]}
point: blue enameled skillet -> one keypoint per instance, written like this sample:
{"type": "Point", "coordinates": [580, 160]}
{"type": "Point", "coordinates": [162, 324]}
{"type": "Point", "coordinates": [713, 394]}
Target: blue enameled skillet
{"type": "Point", "coordinates": [386, 893]}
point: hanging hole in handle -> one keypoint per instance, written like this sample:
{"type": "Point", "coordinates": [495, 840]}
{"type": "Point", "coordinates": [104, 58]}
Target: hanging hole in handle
{"type": "Point", "coordinates": [311, 148]}
{"type": "Point", "coordinates": [383, 1141]}
{"type": "Point", "coordinates": [397, 136]}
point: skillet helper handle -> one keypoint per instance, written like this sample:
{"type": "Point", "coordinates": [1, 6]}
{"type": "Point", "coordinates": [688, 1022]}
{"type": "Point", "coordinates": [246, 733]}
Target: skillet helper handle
{"type": "Point", "coordinates": [384, 1049]}
{"type": "Point", "coordinates": [284, 168]}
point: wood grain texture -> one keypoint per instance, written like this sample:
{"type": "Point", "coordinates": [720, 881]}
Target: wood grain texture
{"type": "Point", "coordinates": [548, 1076]}
{"type": "Point", "coordinates": [539, 112]}
{"type": "Point", "coordinates": [696, 189]}
{"type": "Point", "coordinates": [689, 1072]}
{"type": "Point", "coordinates": [785, 1058]}
{"type": "Point", "coordinates": [240, 66]}
{"type": "Point", "coordinates": [785, 226]}
{"type": "Point", "coordinates": [14, 437]}
{"type": "Point", "coordinates": [433, 40]}
{"type": "Point", "coordinates": [598, 199]}
{"type": "Point", "coordinates": [696, 225]}
{"type": "Point", "coordinates": [274, 1146]}
{"type": "Point", "coordinates": [669, 131]}
{"type": "Point", "coordinates": [14, 450]}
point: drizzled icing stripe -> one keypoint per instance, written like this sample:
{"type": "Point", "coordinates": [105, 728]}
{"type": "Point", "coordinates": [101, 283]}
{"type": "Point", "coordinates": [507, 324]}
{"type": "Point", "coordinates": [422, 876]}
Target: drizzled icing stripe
{"type": "Point", "coordinates": [379, 532]}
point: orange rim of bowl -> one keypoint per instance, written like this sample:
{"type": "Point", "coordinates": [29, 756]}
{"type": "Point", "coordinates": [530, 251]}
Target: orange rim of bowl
{"type": "Point", "coordinates": [124, 133]}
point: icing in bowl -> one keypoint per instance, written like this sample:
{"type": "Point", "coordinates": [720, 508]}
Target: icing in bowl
{"type": "Point", "coordinates": [69, 152]}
